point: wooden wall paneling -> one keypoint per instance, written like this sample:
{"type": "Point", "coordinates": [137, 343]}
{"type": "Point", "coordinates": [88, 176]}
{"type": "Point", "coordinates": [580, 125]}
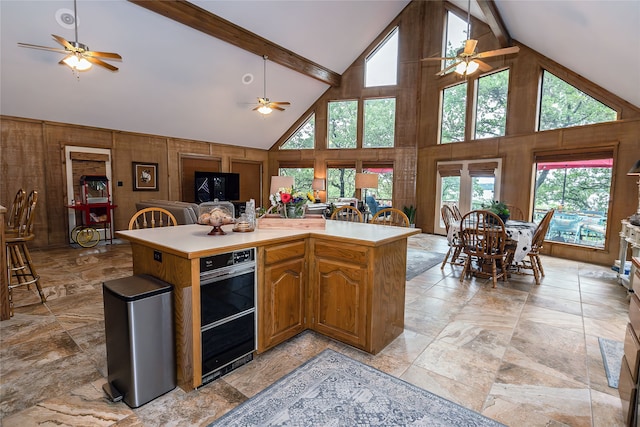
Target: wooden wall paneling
{"type": "Point", "coordinates": [189, 166]}
{"type": "Point", "coordinates": [22, 161]}
{"type": "Point", "coordinates": [176, 149]}
{"type": "Point", "coordinates": [129, 148]}
{"type": "Point", "coordinates": [250, 179]}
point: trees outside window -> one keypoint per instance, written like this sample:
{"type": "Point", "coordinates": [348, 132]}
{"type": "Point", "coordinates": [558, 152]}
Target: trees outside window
{"type": "Point", "coordinates": [341, 182]}
{"type": "Point", "coordinates": [563, 105]}
{"type": "Point", "coordinates": [304, 137]}
{"type": "Point", "coordinates": [342, 124]}
{"type": "Point", "coordinates": [381, 65]}
{"type": "Point", "coordinates": [579, 190]}
{"type": "Point", "coordinates": [453, 114]}
{"type": "Point", "coordinates": [379, 122]}
{"type": "Point", "coordinates": [491, 105]}
{"type": "Point", "coordinates": [303, 177]}
{"type": "Point", "coordinates": [455, 38]}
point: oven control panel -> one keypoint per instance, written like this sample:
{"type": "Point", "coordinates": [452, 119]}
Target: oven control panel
{"type": "Point", "coordinates": [215, 262]}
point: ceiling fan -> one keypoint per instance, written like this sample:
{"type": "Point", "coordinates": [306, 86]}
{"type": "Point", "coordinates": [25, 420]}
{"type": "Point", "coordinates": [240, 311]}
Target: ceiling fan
{"type": "Point", "coordinates": [78, 56]}
{"type": "Point", "coordinates": [467, 60]}
{"type": "Point", "coordinates": [265, 106]}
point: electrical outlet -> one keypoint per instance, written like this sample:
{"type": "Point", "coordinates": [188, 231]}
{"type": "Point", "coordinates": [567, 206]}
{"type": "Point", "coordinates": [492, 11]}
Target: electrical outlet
{"type": "Point", "coordinates": [157, 256]}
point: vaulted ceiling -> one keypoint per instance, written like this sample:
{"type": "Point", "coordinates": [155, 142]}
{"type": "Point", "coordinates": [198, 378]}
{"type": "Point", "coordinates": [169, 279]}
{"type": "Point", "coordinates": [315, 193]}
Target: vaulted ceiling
{"type": "Point", "coordinates": [180, 82]}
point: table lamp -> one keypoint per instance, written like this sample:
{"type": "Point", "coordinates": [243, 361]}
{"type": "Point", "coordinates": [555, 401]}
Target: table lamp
{"type": "Point", "coordinates": [635, 171]}
{"type": "Point", "coordinates": [364, 181]}
{"type": "Point", "coordinates": [278, 182]}
{"type": "Point", "coordinates": [317, 185]}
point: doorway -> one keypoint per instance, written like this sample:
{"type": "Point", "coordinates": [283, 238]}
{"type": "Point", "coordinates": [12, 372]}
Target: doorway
{"type": "Point", "coordinates": [466, 183]}
{"type": "Point", "coordinates": [85, 161]}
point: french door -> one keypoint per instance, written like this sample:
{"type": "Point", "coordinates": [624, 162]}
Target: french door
{"type": "Point", "coordinates": [466, 183]}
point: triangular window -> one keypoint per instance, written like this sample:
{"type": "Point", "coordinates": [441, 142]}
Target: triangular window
{"type": "Point", "coordinates": [563, 105]}
{"type": "Point", "coordinates": [304, 137]}
{"type": "Point", "coordinates": [381, 65]}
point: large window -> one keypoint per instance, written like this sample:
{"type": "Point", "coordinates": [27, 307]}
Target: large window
{"type": "Point", "coordinates": [578, 187]}
{"type": "Point", "coordinates": [563, 105]}
{"type": "Point", "coordinates": [379, 122]}
{"type": "Point", "coordinates": [341, 182]}
{"type": "Point", "coordinates": [491, 105]}
{"type": "Point", "coordinates": [381, 65]}
{"type": "Point", "coordinates": [455, 37]}
{"type": "Point", "coordinates": [304, 137]}
{"type": "Point", "coordinates": [454, 105]}
{"type": "Point", "coordinates": [342, 124]}
{"type": "Point", "coordinates": [303, 176]}
{"type": "Point", "coordinates": [384, 193]}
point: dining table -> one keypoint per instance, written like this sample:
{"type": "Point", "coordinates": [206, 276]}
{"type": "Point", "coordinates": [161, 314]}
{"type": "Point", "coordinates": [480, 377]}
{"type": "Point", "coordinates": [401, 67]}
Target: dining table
{"type": "Point", "coordinates": [520, 233]}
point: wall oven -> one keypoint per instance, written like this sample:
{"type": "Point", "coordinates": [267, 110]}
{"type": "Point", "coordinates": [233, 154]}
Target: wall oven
{"type": "Point", "coordinates": [227, 311]}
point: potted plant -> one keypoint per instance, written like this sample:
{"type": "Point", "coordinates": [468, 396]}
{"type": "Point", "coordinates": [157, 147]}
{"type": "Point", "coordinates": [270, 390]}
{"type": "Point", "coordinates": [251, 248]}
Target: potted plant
{"type": "Point", "coordinates": [410, 212]}
{"type": "Point", "coordinates": [499, 208]}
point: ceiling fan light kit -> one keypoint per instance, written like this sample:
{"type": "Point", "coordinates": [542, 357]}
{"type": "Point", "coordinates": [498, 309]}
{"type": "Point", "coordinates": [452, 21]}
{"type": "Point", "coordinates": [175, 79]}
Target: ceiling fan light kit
{"type": "Point", "coordinates": [466, 61]}
{"type": "Point", "coordinates": [265, 106]}
{"type": "Point", "coordinates": [78, 56]}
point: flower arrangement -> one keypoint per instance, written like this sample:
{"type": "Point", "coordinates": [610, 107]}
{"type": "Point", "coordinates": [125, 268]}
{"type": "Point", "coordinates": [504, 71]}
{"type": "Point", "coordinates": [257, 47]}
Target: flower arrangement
{"type": "Point", "coordinates": [291, 203]}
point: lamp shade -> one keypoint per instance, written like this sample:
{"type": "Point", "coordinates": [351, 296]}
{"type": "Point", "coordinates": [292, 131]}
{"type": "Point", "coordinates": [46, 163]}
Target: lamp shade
{"type": "Point", "coordinates": [318, 184]}
{"type": "Point", "coordinates": [366, 180]}
{"type": "Point", "coordinates": [635, 170]}
{"type": "Point", "coordinates": [278, 182]}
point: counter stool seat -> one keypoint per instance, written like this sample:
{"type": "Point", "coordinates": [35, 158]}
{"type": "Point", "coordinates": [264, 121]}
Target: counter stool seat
{"type": "Point", "coordinates": [22, 271]}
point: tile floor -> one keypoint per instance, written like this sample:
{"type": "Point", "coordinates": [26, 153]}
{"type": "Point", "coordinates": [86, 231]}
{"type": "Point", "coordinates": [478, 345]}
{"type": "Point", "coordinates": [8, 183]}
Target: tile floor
{"type": "Point", "coordinates": [522, 354]}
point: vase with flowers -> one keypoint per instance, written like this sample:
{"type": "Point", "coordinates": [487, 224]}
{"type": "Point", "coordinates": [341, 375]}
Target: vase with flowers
{"type": "Point", "coordinates": [291, 203]}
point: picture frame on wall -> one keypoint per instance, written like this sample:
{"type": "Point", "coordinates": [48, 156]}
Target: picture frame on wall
{"type": "Point", "coordinates": [145, 176]}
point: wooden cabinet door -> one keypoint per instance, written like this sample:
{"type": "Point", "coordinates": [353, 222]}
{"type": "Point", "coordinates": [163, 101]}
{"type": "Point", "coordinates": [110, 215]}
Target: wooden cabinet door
{"type": "Point", "coordinates": [281, 306]}
{"type": "Point", "coordinates": [340, 301]}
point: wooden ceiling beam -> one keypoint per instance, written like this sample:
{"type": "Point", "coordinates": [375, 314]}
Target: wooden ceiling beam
{"type": "Point", "coordinates": [202, 20]}
{"type": "Point", "coordinates": [495, 22]}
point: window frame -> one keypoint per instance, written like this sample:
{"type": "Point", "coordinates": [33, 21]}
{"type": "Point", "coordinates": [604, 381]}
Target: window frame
{"type": "Point", "coordinates": [394, 32]}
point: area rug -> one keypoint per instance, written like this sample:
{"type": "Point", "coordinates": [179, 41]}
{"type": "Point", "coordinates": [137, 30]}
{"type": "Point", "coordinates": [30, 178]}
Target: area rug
{"type": "Point", "coordinates": [612, 352]}
{"type": "Point", "coordinates": [419, 261]}
{"type": "Point", "coordinates": [333, 390]}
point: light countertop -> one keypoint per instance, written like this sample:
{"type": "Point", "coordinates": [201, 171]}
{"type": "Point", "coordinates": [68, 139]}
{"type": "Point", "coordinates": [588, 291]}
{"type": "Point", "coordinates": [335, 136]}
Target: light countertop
{"type": "Point", "coordinates": [193, 241]}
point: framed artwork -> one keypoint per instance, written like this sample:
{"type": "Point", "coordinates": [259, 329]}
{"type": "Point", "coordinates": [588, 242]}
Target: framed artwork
{"type": "Point", "coordinates": [145, 176]}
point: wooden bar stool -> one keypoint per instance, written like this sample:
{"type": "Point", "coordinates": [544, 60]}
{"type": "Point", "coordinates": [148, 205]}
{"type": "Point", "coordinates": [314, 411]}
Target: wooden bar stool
{"type": "Point", "coordinates": [21, 268]}
{"type": "Point", "coordinates": [15, 212]}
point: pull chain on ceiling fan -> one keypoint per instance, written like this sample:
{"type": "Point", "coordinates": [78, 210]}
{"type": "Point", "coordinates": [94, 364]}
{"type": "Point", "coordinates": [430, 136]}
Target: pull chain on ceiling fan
{"type": "Point", "coordinates": [264, 105]}
{"type": "Point", "coordinates": [79, 57]}
{"type": "Point", "coordinates": [467, 60]}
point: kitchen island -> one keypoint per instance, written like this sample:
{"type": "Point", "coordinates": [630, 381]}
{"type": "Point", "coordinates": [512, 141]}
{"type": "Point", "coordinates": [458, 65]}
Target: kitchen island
{"type": "Point", "coordinates": [346, 281]}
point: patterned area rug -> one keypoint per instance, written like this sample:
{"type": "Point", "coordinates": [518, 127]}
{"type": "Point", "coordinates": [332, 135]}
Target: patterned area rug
{"type": "Point", "coordinates": [333, 390]}
{"type": "Point", "coordinates": [612, 352]}
{"type": "Point", "coordinates": [419, 261]}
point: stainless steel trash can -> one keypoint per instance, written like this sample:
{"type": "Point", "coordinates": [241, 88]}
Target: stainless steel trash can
{"type": "Point", "coordinates": [138, 317]}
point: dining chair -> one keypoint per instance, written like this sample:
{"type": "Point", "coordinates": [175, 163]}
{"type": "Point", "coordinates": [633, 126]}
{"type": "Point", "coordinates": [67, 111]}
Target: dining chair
{"type": "Point", "coordinates": [534, 263]}
{"type": "Point", "coordinates": [16, 209]}
{"type": "Point", "coordinates": [390, 216]}
{"type": "Point", "coordinates": [151, 218]}
{"type": "Point", "coordinates": [347, 213]}
{"type": "Point", "coordinates": [21, 266]}
{"type": "Point", "coordinates": [515, 213]}
{"type": "Point", "coordinates": [456, 212]}
{"type": "Point", "coordinates": [453, 239]}
{"type": "Point", "coordinates": [483, 239]}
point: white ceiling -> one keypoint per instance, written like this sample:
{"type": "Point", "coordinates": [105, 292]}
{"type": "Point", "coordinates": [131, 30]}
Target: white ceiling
{"type": "Point", "coordinates": [178, 82]}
